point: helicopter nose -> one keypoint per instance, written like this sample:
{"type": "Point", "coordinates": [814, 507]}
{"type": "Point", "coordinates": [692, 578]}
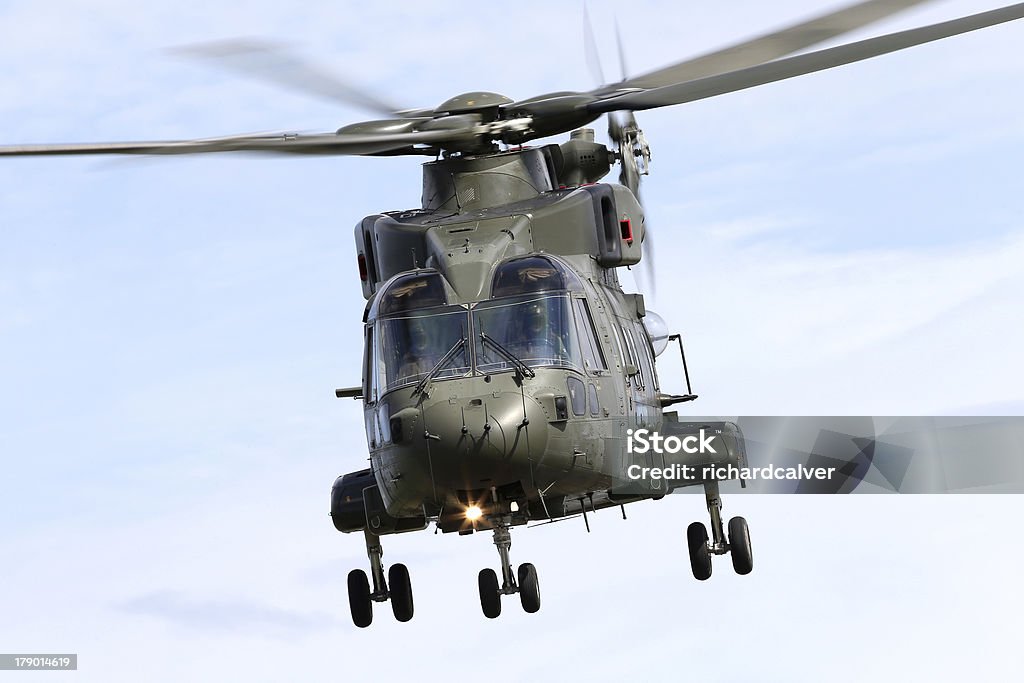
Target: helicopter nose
{"type": "Point", "coordinates": [495, 426]}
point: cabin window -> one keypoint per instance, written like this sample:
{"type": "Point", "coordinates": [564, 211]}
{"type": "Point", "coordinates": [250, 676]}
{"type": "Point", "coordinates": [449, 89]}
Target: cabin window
{"type": "Point", "coordinates": [577, 395]}
{"type": "Point", "coordinates": [595, 402]}
{"type": "Point", "coordinates": [538, 331]}
{"type": "Point", "coordinates": [409, 346]}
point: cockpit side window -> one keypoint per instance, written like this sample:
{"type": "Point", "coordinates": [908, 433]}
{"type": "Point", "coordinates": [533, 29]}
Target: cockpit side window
{"type": "Point", "coordinates": [646, 353]}
{"type": "Point", "coordinates": [593, 357]}
{"type": "Point", "coordinates": [624, 352]}
{"type": "Point", "coordinates": [370, 367]}
{"type": "Point", "coordinates": [631, 354]}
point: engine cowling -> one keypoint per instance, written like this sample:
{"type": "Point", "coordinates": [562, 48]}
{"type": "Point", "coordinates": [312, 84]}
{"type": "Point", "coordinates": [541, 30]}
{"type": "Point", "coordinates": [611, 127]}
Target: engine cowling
{"type": "Point", "coordinates": [356, 504]}
{"type": "Point", "coordinates": [348, 511]}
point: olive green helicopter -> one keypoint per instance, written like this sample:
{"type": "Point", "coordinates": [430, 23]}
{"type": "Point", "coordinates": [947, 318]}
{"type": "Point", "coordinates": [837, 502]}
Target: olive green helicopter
{"type": "Point", "coordinates": [505, 369]}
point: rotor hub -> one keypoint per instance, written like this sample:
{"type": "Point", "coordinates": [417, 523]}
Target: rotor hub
{"type": "Point", "coordinates": [469, 102]}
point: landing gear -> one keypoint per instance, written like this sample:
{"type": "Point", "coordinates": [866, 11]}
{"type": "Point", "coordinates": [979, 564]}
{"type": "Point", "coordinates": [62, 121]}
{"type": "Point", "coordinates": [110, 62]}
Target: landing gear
{"type": "Point", "coordinates": [739, 546]}
{"type": "Point", "coordinates": [701, 550]}
{"type": "Point", "coordinates": [490, 593]}
{"type": "Point", "coordinates": [700, 556]}
{"type": "Point", "coordinates": [401, 592]}
{"type": "Point", "coordinates": [528, 586]}
{"type": "Point", "coordinates": [361, 598]}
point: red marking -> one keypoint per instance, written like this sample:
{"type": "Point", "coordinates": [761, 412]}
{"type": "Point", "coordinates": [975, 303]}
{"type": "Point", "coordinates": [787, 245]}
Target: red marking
{"type": "Point", "coordinates": [362, 268]}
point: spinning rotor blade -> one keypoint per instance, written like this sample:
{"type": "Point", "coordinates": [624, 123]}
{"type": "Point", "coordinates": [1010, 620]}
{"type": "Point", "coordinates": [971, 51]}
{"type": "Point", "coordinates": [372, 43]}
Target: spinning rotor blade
{"type": "Point", "coordinates": [623, 129]}
{"type": "Point", "coordinates": [281, 143]}
{"type": "Point", "coordinates": [791, 67]}
{"type": "Point", "coordinates": [625, 132]}
{"type": "Point", "coordinates": [645, 279]}
{"type": "Point", "coordinates": [475, 127]}
{"type": "Point", "coordinates": [276, 64]}
{"type": "Point", "coordinates": [769, 46]}
{"type": "Point", "coordinates": [590, 48]}
{"type": "Point", "coordinates": [562, 111]}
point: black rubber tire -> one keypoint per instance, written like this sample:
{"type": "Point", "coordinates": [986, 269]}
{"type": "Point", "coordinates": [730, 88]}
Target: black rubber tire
{"type": "Point", "coordinates": [739, 546]}
{"type": "Point", "coordinates": [529, 588]}
{"type": "Point", "coordinates": [400, 589]}
{"type": "Point", "coordinates": [490, 596]}
{"type": "Point", "coordinates": [359, 601]}
{"type": "Point", "coordinates": [700, 557]}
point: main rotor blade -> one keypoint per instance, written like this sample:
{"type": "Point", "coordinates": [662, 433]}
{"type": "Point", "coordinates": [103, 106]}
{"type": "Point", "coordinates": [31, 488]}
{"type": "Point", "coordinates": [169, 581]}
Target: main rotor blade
{"type": "Point", "coordinates": [276, 64]}
{"type": "Point", "coordinates": [803, 64]}
{"type": "Point", "coordinates": [590, 48]}
{"type": "Point", "coordinates": [769, 46]}
{"type": "Point", "coordinates": [645, 279]}
{"type": "Point", "coordinates": [622, 51]}
{"type": "Point", "coordinates": [281, 143]}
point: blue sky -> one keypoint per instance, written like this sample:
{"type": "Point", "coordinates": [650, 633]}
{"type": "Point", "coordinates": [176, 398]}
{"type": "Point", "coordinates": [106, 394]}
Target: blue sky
{"type": "Point", "coordinates": [172, 330]}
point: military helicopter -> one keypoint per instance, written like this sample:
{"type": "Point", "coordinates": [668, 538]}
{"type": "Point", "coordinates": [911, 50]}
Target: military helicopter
{"type": "Point", "coordinates": [504, 365]}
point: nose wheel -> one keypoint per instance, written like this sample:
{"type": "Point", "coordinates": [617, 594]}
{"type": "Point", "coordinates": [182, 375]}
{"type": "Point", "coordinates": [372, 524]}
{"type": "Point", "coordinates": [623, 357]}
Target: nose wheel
{"type": "Point", "coordinates": [528, 586]}
{"type": "Point", "coordinates": [361, 597]}
{"type": "Point", "coordinates": [701, 548]}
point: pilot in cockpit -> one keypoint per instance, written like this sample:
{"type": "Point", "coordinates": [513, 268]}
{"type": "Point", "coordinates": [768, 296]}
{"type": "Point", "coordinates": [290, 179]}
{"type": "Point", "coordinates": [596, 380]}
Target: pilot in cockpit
{"type": "Point", "coordinates": [416, 357]}
{"type": "Point", "coordinates": [533, 337]}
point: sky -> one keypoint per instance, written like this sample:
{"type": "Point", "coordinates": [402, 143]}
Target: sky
{"type": "Point", "coordinates": [846, 243]}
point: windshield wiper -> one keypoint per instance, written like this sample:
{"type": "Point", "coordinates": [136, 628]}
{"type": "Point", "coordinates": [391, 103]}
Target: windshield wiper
{"type": "Point", "coordinates": [459, 345]}
{"type": "Point", "coordinates": [523, 369]}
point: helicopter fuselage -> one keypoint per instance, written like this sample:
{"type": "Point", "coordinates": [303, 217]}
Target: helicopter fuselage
{"type": "Point", "coordinates": [503, 364]}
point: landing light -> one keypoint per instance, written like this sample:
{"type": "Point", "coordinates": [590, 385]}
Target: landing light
{"type": "Point", "coordinates": [473, 513]}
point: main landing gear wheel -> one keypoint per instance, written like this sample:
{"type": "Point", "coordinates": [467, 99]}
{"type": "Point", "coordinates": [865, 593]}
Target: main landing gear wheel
{"type": "Point", "coordinates": [359, 598]}
{"type": "Point", "coordinates": [701, 550]}
{"type": "Point", "coordinates": [360, 595]}
{"type": "Point", "coordinates": [739, 546]}
{"type": "Point", "coordinates": [400, 592]}
{"type": "Point", "coordinates": [529, 588]}
{"type": "Point", "coordinates": [700, 556]}
{"type": "Point", "coordinates": [490, 594]}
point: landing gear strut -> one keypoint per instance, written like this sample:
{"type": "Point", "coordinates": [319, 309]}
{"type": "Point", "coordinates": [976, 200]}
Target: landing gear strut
{"type": "Point", "coordinates": [701, 550]}
{"type": "Point", "coordinates": [361, 598]}
{"type": "Point", "coordinates": [528, 586]}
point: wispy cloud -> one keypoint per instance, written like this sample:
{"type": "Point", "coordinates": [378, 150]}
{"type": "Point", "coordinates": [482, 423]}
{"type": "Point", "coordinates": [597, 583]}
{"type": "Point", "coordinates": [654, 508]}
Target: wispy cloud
{"type": "Point", "coordinates": [235, 615]}
{"type": "Point", "coordinates": [783, 327]}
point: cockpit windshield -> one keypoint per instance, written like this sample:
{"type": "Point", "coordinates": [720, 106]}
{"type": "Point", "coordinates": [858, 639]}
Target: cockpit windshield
{"type": "Point", "coordinates": [536, 317]}
{"type": "Point", "coordinates": [410, 346]}
{"type": "Point", "coordinates": [537, 330]}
